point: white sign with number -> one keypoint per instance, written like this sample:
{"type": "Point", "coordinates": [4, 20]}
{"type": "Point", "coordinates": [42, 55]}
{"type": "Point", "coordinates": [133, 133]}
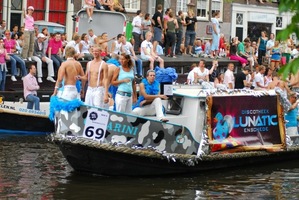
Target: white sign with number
{"type": "Point", "coordinates": [96, 124]}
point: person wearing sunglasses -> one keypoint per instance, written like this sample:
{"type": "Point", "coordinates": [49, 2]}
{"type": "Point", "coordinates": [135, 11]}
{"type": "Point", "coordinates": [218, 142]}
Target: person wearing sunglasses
{"type": "Point", "coordinates": [10, 46]}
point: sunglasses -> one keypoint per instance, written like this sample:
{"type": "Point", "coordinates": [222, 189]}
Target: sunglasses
{"type": "Point", "coordinates": [7, 33]}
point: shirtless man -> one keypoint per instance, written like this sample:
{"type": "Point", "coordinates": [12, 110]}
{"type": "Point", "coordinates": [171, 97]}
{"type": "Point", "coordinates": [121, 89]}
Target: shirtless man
{"type": "Point", "coordinates": [97, 76]}
{"type": "Point", "coordinates": [70, 72]}
{"type": "Point", "coordinates": [294, 83]}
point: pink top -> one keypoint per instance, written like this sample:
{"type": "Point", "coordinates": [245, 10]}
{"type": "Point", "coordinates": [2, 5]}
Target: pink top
{"type": "Point", "coordinates": [29, 23]}
{"type": "Point", "coordinates": [10, 45]}
{"type": "Point", "coordinates": [88, 2]}
{"type": "Point", "coordinates": [30, 85]}
{"type": "Point", "coordinates": [2, 56]}
{"type": "Point", "coordinates": [55, 45]}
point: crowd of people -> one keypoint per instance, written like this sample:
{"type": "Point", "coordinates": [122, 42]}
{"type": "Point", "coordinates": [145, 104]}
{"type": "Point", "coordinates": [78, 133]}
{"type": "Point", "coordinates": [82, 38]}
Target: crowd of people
{"type": "Point", "coordinates": [118, 66]}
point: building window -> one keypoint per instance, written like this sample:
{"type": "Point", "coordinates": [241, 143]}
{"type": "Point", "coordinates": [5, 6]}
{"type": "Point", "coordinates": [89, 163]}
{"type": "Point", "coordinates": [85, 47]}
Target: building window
{"type": "Point", "coordinates": [203, 7]}
{"type": "Point", "coordinates": [279, 22]}
{"type": "Point", "coordinates": [132, 5]}
{"type": "Point", "coordinates": [182, 5]}
{"type": "Point", "coordinates": [16, 4]}
{"type": "Point", "coordinates": [239, 19]}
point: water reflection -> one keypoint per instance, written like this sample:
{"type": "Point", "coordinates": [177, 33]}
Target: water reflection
{"type": "Point", "coordinates": [33, 168]}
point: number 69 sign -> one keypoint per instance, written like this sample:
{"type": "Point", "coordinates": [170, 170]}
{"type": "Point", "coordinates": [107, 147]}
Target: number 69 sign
{"type": "Point", "coordinates": [96, 124]}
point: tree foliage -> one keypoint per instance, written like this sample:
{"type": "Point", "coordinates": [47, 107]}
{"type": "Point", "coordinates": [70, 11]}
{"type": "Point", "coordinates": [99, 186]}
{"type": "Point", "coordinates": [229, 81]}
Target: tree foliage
{"type": "Point", "coordinates": [291, 6]}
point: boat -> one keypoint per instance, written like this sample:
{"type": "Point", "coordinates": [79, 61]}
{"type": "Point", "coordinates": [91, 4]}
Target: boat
{"type": "Point", "coordinates": [208, 129]}
{"type": "Point", "coordinates": [16, 119]}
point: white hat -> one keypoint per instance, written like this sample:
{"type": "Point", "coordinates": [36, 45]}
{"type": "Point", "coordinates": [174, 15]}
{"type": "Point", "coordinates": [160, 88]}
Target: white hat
{"type": "Point", "coordinates": [40, 35]}
{"type": "Point", "coordinates": [30, 8]}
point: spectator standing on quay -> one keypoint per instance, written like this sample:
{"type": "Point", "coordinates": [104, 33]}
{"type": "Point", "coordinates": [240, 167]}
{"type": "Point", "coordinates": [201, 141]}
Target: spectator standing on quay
{"type": "Point", "coordinates": [269, 45]}
{"type": "Point", "coordinates": [31, 86]}
{"type": "Point", "coordinates": [146, 25]}
{"type": "Point", "coordinates": [215, 34]}
{"type": "Point", "coordinates": [39, 56]}
{"type": "Point", "coordinates": [158, 27]}
{"type": "Point", "coordinates": [89, 6]}
{"type": "Point", "coordinates": [170, 26]}
{"type": "Point", "coordinates": [150, 100]}
{"type": "Point", "coordinates": [137, 30]}
{"type": "Point", "coordinates": [3, 69]}
{"type": "Point", "coordinates": [190, 31]}
{"type": "Point", "coordinates": [261, 44]}
{"type": "Point", "coordinates": [27, 51]}
{"type": "Point", "coordinates": [70, 72]}
{"type": "Point", "coordinates": [55, 50]}
{"type": "Point", "coordinates": [275, 52]}
{"type": "Point", "coordinates": [179, 32]}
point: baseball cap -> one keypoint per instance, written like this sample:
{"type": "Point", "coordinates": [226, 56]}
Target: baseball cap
{"type": "Point", "coordinates": [30, 8]}
{"type": "Point", "coordinates": [40, 35]}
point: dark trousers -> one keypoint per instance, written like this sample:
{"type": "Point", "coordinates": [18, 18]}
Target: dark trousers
{"type": "Point", "coordinates": [170, 42]}
{"type": "Point", "coordinates": [261, 53]}
{"type": "Point", "coordinates": [137, 39]}
{"type": "Point", "coordinates": [98, 5]}
{"type": "Point", "coordinates": [179, 38]}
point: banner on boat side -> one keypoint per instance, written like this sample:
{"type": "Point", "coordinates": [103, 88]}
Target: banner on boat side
{"type": "Point", "coordinates": [240, 123]}
{"type": "Point", "coordinates": [96, 124]}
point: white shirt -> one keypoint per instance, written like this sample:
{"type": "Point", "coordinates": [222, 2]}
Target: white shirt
{"type": "Point", "coordinates": [229, 78]}
{"type": "Point", "coordinates": [92, 40]}
{"type": "Point", "coordinates": [117, 47]}
{"type": "Point", "coordinates": [200, 73]}
{"type": "Point", "coordinates": [137, 22]}
{"type": "Point", "coordinates": [258, 78]}
{"type": "Point", "coordinates": [127, 47]}
{"type": "Point", "coordinates": [270, 44]}
{"type": "Point", "coordinates": [148, 46]}
{"type": "Point", "coordinates": [190, 77]}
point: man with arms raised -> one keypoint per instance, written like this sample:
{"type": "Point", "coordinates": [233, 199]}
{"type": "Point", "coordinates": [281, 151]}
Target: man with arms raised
{"type": "Point", "coordinates": [97, 76]}
{"type": "Point", "coordinates": [69, 73]}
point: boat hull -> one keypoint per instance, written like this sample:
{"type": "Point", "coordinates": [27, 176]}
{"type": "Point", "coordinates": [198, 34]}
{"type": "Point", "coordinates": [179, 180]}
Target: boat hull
{"type": "Point", "coordinates": [92, 160]}
{"type": "Point", "coordinates": [25, 124]}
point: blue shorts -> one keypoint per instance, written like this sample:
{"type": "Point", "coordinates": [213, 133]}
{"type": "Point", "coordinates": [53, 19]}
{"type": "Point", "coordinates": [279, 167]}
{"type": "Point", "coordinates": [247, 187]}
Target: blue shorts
{"type": "Point", "coordinates": [157, 34]}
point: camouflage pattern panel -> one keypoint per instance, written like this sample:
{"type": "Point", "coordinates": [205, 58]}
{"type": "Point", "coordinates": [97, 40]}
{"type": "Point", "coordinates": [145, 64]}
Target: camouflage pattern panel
{"type": "Point", "coordinates": [131, 131]}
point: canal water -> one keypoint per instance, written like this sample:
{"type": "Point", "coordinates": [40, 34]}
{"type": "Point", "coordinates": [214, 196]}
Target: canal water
{"type": "Point", "coordinates": [31, 167]}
